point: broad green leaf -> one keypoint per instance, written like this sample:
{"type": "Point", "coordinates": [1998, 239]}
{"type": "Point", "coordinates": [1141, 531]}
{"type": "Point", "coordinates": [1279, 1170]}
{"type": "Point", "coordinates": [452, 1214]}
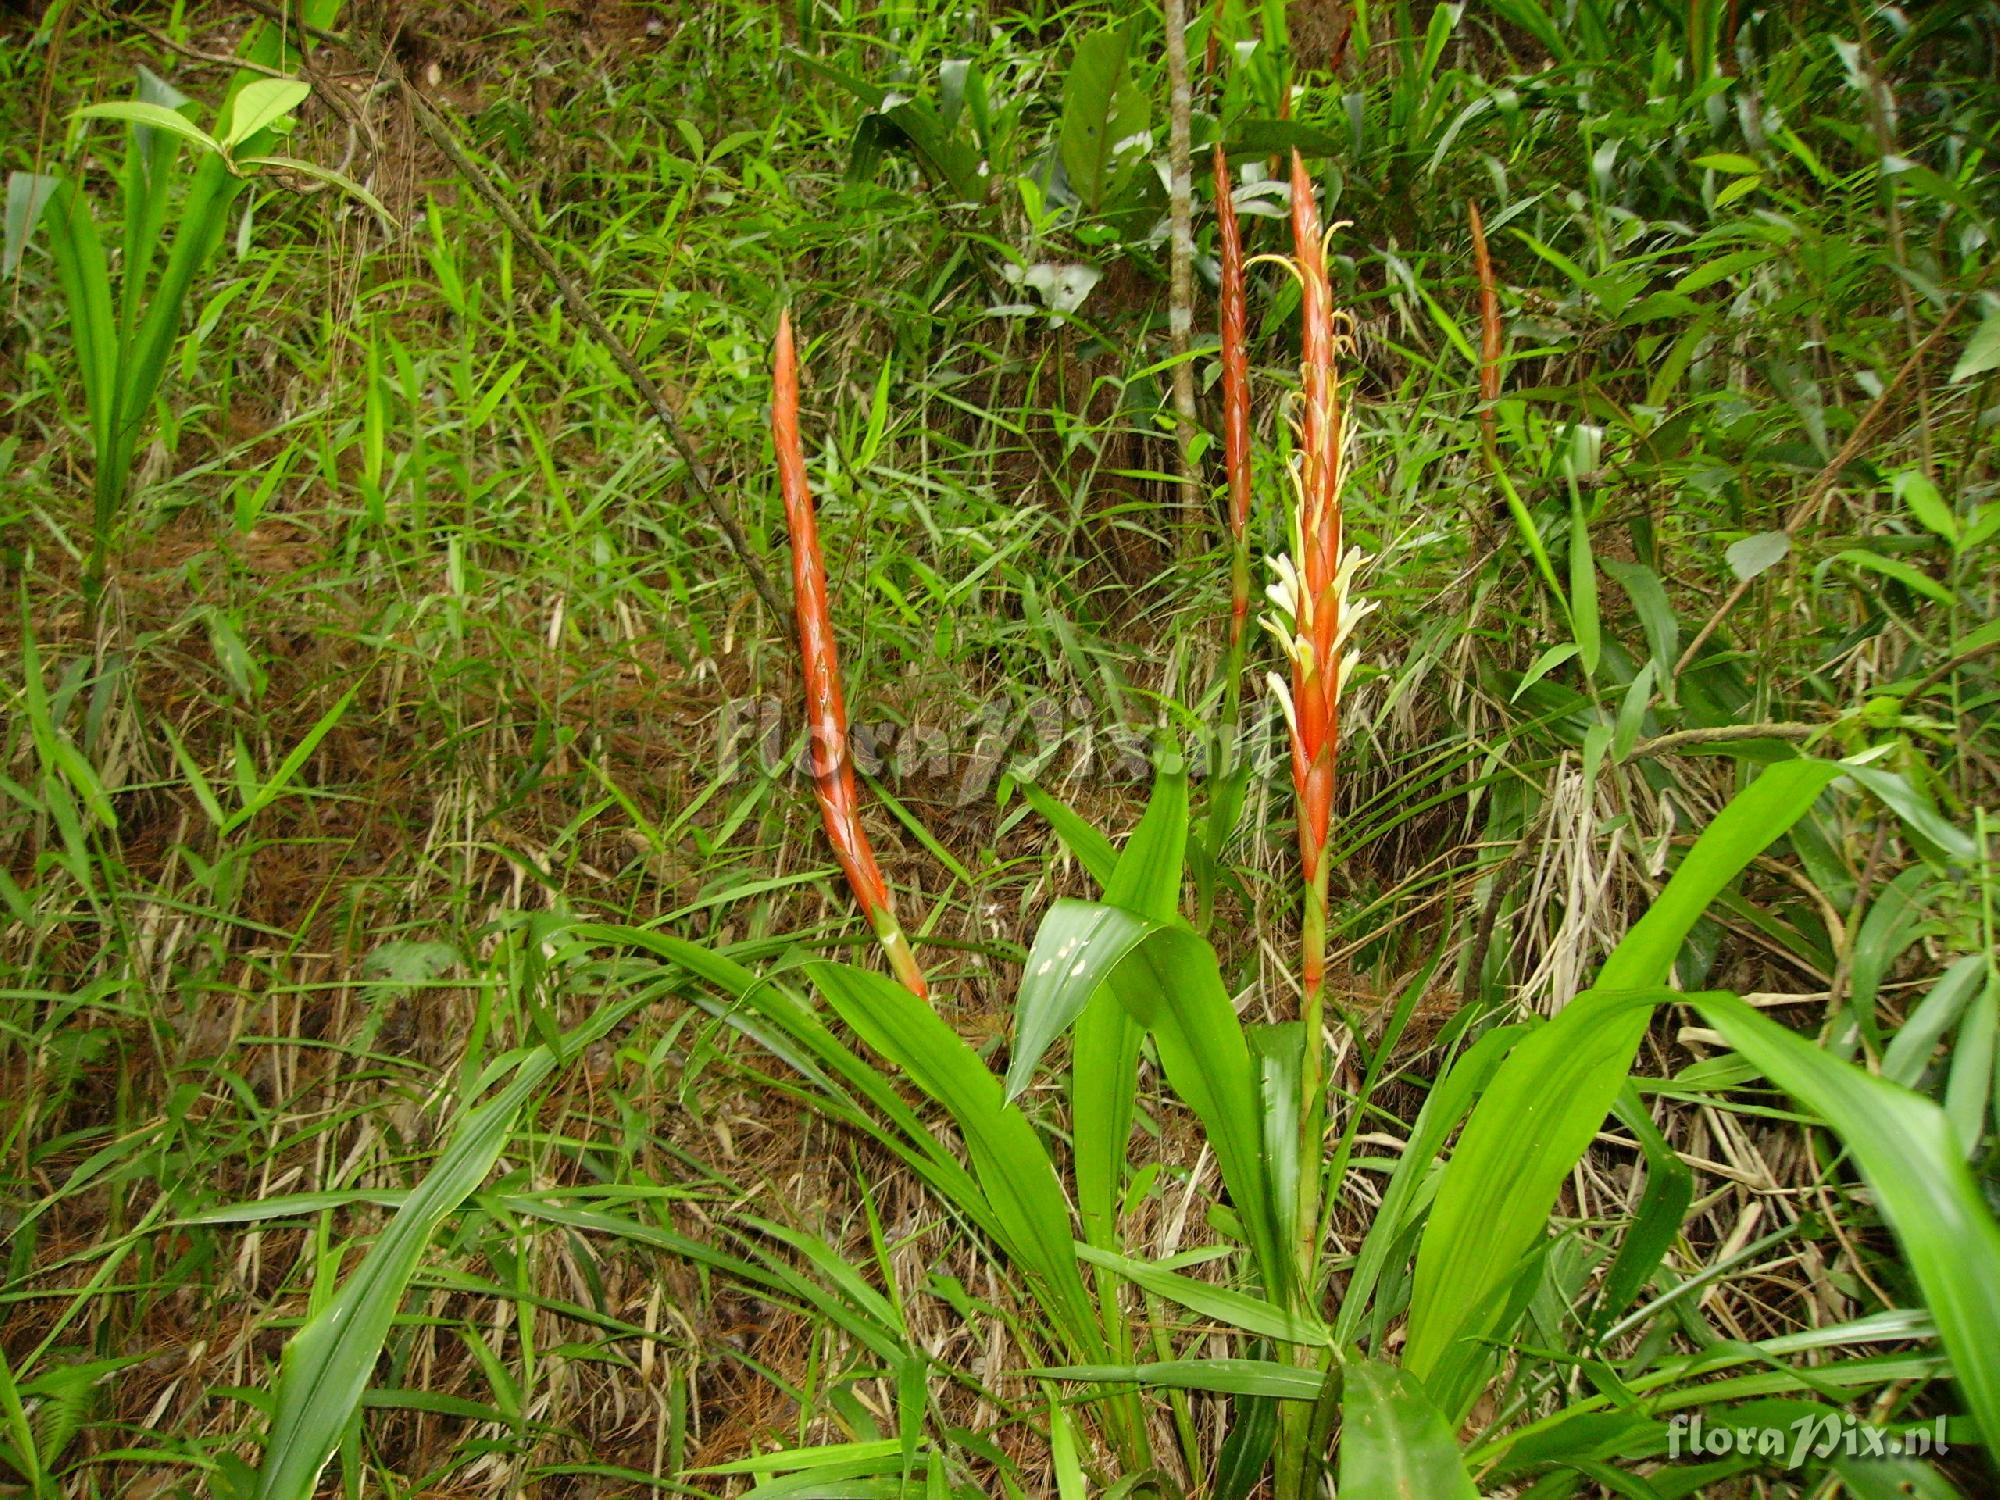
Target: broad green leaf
{"type": "Point", "coordinates": [1909, 1053]}
{"type": "Point", "coordinates": [1220, 1304]}
{"type": "Point", "coordinates": [1091, 848]}
{"type": "Point", "coordinates": [261, 103]}
{"type": "Point", "coordinates": [1098, 113]}
{"type": "Point", "coordinates": [154, 116]}
{"type": "Point", "coordinates": [791, 1460]}
{"type": "Point", "coordinates": [1246, 1448]}
{"type": "Point", "coordinates": [1910, 1157]}
{"type": "Point", "coordinates": [1229, 1377]}
{"type": "Point", "coordinates": [1053, 985]}
{"type": "Point", "coordinates": [1549, 1097]}
{"type": "Point", "coordinates": [1969, 1085]}
{"type": "Point", "coordinates": [1169, 981]}
{"type": "Point", "coordinates": [950, 160]}
{"type": "Point", "coordinates": [156, 90]}
{"type": "Point", "coordinates": [1982, 350]}
{"type": "Point", "coordinates": [331, 178]}
{"type": "Point", "coordinates": [1721, 268]}
{"type": "Point", "coordinates": [1445, 1106]}
{"type": "Point", "coordinates": [1894, 921]}
{"type": "Point", "coordinates": [1277, 1053]}
{"type": "Point", "coordinates": [1927, 505]}
{"type": "Point", "coordinates": [1632, 712]}
{"type": "Point", "coordinates": [870, 94]}
{"type": "Point", "coordinates": [1669, 1190]}
{"type": "Point", "coordinates": [1583, 588]}
{"type": "Point", "coordinates": [1071, 1483]}
{"type": "Point", "coordinates": [793, 1033]}
{"type": "Point", "coordinates": [21, 1453]}
{"type": "Point", "coordinates": [1145, 879]}
{"type": "Point", "coordinates": [1934, 835]}
{"type": "Point", "coordinates": [1531, 535]}
{"type": "Point", "coordinates": [1544, 664]}
{"type": "Point", "coordinates": [27, 195]}
{"type": "Point", "coordinates": [1393, 1443]}
{"type": "Point", "coordinates": [1913, 579]}
{"type": "Point", "coordinates": [270, 790]}
{"type": "Point", "coordinates": [1104, 1068]}
{"type": "Point", "coordinates": [1656, 614]}
{"type": "Point", "coordinates": [1756, 554]}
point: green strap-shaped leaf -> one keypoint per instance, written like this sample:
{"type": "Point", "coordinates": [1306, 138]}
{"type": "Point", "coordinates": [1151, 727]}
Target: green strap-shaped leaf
{"type": "Point", "coordinates": [1449, 1099]}
{"type": "Point", "coordinates": [1008, 1158]}
{"type": "Point", "coordinates": [777, 1021]}
{"type": "Point", "coordinates": [1228, 1377]}
{"type": "Point", "coordinates": [28, 193]}
{"type": "Point", "coordinates": [1221, 1304]}
{"type": "Point", "coordinates": [1669, 1190]}
{"type": "Point", "coordinates": [1167, 979]}
{"type": "Point", "coordinates": [1090, 847]}
{"type": "Point", "coordinates": [1145, 879]}
{"type": "Point", "coordinates": [1549, 1098]}
{"type": "Point", "coordinates": [1910, 1158]}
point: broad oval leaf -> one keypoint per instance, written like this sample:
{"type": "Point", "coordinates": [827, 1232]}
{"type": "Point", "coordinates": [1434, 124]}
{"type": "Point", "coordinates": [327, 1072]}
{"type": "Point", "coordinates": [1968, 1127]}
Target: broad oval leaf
{"type": "Point", "coordinates": [1982, 350]}
{"type": "Point", "coordinates": [260, 103]}
{"type": "Point", "coordinates": [1393, 1443]}
{"type": "Point", "coordinates": [1756, 554]}
{"type": "Point", "coordinates": [1099, 113]}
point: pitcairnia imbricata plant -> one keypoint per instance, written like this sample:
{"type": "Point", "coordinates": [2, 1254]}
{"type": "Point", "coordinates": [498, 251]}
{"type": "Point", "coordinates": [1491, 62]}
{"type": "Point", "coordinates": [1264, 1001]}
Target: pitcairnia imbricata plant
{"type": "Point", "coordinates": [1320, 1370]}
{"type": "Point", "coordinates": [1396, 1366]}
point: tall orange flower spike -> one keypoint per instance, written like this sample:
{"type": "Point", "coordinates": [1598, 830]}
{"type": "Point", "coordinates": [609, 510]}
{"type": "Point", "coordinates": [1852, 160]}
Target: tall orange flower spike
{"type": "Point", "coordinates": [1312, 617]}
{"type": "Point", "coordinates": [1235, 401]}
{"type": "Point", "coordinates": [832, 767]}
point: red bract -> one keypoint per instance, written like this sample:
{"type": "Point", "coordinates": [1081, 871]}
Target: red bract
{"type": "Point", "coordinates": [826, 711]}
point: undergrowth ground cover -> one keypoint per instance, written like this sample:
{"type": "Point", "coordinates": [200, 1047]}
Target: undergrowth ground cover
{"type": "Point", "coordinates": [439, 1051]}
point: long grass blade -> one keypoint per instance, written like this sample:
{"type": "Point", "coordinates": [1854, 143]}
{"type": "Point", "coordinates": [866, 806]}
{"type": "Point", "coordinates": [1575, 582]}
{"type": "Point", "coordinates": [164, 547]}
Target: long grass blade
{"type": "Point", "coordinates": [327, 1363]}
